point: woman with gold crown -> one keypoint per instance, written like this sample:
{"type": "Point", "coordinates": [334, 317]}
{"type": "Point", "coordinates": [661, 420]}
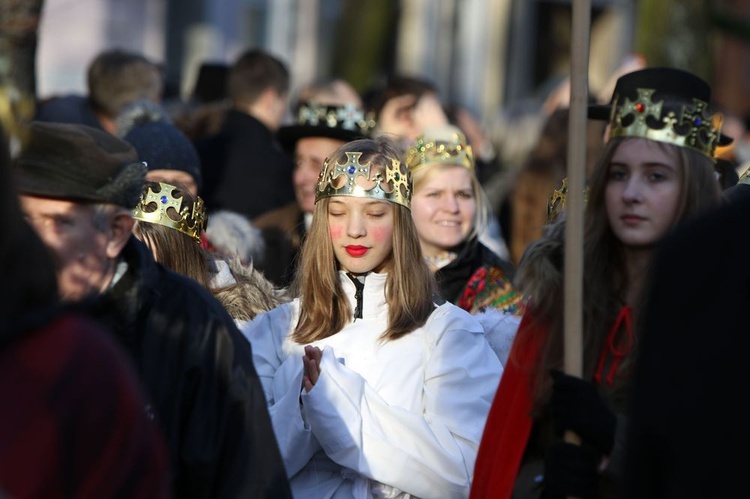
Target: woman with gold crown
{"type": "Point", "coordinates": [450, 212]}
{"type": "Point", "coordinates": [656, 171]}
{"type": "Point", "coordinates": [374, 389]}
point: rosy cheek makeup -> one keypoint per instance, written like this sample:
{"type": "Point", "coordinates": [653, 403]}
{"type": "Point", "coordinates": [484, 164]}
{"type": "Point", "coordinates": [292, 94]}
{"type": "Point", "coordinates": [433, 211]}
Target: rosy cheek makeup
{"type": "Point", "coordinates": [380, 234]}
{"type": "Point", "coordinates": [335, 231]}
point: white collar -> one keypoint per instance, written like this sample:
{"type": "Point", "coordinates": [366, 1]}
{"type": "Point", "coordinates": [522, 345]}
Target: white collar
{"type": "Point", "coordinates": [373, 294]}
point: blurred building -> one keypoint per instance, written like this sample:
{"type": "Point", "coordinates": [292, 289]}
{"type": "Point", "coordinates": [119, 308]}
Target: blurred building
{"type": "Point", "coordinates": [482, 54]}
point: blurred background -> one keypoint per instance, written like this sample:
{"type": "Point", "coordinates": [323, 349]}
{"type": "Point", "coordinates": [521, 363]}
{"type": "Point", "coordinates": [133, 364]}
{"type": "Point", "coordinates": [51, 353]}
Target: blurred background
{"type": "Point", "coordinates": [488, 56]}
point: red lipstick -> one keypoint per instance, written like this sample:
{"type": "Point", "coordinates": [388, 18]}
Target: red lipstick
{"type": "Point", "coordinates": [356, 250]}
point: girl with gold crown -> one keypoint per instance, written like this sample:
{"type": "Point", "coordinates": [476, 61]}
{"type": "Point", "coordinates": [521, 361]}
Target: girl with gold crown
{"type": "Point", "coordinates": [656, 170]}
{"type": "Point", "coordinates": [374, 389]}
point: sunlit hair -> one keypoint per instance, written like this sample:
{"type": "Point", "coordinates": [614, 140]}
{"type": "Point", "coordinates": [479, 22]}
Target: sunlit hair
{"type": "Point", "coordinates": [483, 209]}
{"type": "Point", "coordinates": [117, 77]}
{"type": "Point", "coordinates": [605, 274]}
{"type": "Point", "coordinates": [324, 309]}
{"type": "Point", "coordinates": [174, 249]}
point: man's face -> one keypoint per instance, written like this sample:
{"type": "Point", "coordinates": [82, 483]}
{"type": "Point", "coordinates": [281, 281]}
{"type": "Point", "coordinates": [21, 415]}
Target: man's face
{"type": "Point", "coordinates": [79, 249]}
{"type": "Point", "coordinates": [407, 116]}
{"type": "Point", "coordinates": [309, 155]}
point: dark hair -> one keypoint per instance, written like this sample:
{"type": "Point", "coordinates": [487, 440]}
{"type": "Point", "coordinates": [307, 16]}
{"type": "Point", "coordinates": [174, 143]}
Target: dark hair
{"type": "Point", "coordinates": [397, 86]}
{"type": "Point", "coordinates": [117, 77]}
{"type": "Point", "coordinates": [254, 72]}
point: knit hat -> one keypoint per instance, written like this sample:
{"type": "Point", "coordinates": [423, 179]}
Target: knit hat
{"type": "Point", "coordinates": [80, 163]}
{"type": "Point", "coordinates": [160, 144]}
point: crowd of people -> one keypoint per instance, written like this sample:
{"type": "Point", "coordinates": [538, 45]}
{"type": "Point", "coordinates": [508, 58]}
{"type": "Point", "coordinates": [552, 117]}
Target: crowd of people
{"type": "Point", "coordinates": [337, 293]}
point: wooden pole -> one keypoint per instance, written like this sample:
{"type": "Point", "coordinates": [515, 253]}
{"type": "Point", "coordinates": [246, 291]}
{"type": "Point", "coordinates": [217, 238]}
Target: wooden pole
{"type": "Point", "coordinates": [573, 272]}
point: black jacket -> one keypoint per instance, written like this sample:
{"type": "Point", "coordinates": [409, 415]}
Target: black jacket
{"type": "Point", "coordinates": [244, 168]}
{"type": "Point", "coordinates": [197, 370]}
{"type": "Point", "coordinates": [689, 430]}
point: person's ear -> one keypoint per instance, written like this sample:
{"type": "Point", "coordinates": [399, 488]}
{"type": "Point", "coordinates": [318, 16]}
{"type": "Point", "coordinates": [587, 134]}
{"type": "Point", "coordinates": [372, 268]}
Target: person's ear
{"type": "Point", "coordinates": [120, 229]}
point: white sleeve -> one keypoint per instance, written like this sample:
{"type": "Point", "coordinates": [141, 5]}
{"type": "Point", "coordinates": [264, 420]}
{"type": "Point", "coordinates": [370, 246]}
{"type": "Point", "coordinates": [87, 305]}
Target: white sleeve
{"type": "Point", "coordinates": [282, 382]}
{"type": "Point", "coordinates": [427, 455]}
{"type": "Point", "coordinates": [500, 330]}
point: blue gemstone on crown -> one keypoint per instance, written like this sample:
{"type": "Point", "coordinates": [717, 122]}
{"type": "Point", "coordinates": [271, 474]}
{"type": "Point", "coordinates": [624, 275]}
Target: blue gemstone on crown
{"type": "Point", "coordinates": [164, 199]}
{"type": "Point", "coordinates": [352, 169]}
{"type": "Point", "coordinates": [697, 122]}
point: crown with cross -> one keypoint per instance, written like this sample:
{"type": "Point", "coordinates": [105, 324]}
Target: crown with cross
{"type": "Point", "coordinates": [689, 126]}
{"type": "Point", "coordinates": [165, 206]}
{"type": "Point", "coordinates": [445, 146]}
{"type": "Point", "coordinates": [337, 179]}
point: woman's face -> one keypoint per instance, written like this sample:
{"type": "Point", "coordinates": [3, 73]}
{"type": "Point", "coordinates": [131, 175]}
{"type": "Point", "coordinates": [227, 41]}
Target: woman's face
{"type": "Point", "coordinates": [361, 231]}
{"type": "Point", "coordinates": [642, 193]}
{"type": "Point", "coordinates": [443, 208]}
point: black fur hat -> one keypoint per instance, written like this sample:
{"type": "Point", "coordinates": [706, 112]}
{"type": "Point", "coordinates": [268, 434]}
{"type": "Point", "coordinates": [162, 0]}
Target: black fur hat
{"type": "Point", "coordinates": [79, 163]}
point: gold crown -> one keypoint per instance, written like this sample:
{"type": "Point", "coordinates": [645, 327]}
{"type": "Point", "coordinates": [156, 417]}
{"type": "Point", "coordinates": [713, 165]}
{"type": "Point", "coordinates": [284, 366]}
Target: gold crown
{"type": "Point", "coordinates": [346, 117]}
{"type": "Point", "coordinates": [394, 187]}
{"type": "Point", "coordinates": [694, 128]}
{"type": "Point", "coordinates": [164, 208]}
{"type": "Point", "coordinates": [557, 201]}
{"type": "Point", "coordinates": [453, 151]}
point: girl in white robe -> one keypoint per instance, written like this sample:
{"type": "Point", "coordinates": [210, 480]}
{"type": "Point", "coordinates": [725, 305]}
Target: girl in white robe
{"type": "Point", "coordinates": [374, 389]}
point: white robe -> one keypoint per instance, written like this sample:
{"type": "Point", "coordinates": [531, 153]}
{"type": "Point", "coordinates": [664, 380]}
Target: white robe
{"type": "Point", "coordinates": [399, 418]}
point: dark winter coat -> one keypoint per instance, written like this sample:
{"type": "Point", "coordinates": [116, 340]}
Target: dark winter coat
{"type": "Point", "coordinates": [197, 370]}
{"type": "Point", "coordinates": [244, 168]}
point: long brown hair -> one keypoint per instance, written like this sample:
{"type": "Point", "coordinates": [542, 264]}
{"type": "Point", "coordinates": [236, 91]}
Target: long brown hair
{"type": "Point", "coordinates": [605, 276]}
{"type": "Point", "coordinates": [324, 309]}
{"type": "Point", "coordinates": [174, 250]}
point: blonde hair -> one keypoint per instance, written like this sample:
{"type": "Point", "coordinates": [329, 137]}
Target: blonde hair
{"type": "Point", "coordinates": [324, 309]}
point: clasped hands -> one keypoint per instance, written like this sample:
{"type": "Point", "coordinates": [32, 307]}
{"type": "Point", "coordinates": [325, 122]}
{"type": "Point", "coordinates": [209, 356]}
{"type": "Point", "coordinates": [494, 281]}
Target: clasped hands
{"type": "Point", "coordinates": [311, 364]}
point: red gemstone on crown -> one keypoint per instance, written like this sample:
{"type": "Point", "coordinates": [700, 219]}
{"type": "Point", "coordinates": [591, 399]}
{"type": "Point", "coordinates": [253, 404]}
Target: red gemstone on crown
{"type": "Point", "coordinates": [640, 107]}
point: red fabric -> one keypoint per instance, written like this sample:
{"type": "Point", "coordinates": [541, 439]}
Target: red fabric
{"type": "Point", "coordinates": [624, 318]}
{"type": "Point", "coordinates": [508, 424]}
{"type": "Point", "coordinates": [73, 421]}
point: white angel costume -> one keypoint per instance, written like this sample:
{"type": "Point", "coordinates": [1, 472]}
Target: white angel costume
{"type": "Point", "coordinates": [400, 418]}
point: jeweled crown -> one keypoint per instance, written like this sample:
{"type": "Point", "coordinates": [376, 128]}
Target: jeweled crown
{"type": "Point", "coordinates": [346, 117]}
{"type": "Point", "coordinates": [689, 126]}
{"type": "Point", "coordinates": [395, 186]}
{"type": "Point", "coordinates": [166, 207]}
{"type": "Point", "coordinates": [453, 150]}
{"type": "Point", "coordinates": [558, 200]}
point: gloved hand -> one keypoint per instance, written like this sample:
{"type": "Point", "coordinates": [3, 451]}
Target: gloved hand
{"type": "Point", "coordinates": [570, 471]}
{"type": "Point", "coordinates": [577, 406]}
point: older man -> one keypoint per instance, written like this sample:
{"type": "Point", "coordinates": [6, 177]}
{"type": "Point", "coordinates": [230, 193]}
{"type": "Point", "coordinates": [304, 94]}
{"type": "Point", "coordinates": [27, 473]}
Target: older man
{"type": "Point", "coordinates": [78, 186]}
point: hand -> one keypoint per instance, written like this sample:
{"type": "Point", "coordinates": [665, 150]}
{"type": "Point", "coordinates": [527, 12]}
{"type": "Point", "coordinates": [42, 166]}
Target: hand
{"type": "Point", "coordinates": [311, 364]}
{"type": "Point", "coordinates": [570, 471]}
{"type": "Point", "coordinates": [578, 407]}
